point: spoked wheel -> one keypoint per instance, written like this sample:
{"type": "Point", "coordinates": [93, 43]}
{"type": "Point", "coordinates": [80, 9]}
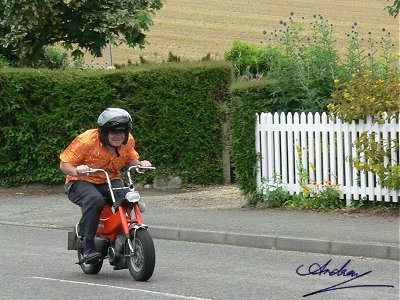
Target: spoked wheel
{"type": "Point", "coordinates": [142, 261]}
{"type": "Point", "coordinates": [89, 268]}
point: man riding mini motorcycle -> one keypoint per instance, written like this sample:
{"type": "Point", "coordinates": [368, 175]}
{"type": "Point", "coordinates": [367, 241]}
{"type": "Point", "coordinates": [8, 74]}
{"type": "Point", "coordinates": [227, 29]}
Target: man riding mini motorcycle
{"type": "Point", "coordinates": [109, 147]}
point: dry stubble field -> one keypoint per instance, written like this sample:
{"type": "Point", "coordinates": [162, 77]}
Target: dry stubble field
{"type": "Point", "coordinates": [193, 28]}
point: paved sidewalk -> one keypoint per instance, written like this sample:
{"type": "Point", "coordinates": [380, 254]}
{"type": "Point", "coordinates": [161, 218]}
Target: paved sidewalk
{"type": "Point", "coordinates": [212, 216]}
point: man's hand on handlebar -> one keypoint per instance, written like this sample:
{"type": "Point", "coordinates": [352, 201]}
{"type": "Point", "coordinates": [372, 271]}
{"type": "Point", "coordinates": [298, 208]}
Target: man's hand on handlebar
{"type": "Point", "coordinates": [82, 170]}
{"type": "Point", "coordinates": [145, 163]}
{"type": "Point", "coordinates": [141, 166]}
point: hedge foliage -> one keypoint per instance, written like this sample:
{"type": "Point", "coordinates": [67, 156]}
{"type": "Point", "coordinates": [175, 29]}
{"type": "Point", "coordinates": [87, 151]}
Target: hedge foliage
{"type": "Point", "coordinates": [248, 98]}
{"type": "Point", "coordinates": [177, 111]}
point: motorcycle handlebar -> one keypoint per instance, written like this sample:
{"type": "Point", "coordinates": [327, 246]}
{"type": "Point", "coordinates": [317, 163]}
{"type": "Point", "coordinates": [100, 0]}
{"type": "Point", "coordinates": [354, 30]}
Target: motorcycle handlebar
{"type": "Point", "coordinates": [138, 167]}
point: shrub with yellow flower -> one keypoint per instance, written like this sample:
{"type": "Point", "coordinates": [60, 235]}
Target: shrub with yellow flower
{"type": "Point", "coordinates": [365, 96]}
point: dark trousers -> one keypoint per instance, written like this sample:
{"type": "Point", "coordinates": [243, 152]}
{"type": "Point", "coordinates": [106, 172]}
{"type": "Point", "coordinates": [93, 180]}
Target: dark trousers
{"type": "Point", "coordinates": [91, 198]}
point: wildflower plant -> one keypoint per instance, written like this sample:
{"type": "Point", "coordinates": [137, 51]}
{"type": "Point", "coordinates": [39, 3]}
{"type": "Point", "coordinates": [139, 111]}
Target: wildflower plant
{"type": "Point", "coordinates": [325, 195]}
{"type": "Point", "coordinates": [366, 55]}
{"type": "Point", "coordinates": [273, 192]}
{"type": "Point", "coordinates": [316, 195]}
{"type": "Point", "coordinates": [306, 79]}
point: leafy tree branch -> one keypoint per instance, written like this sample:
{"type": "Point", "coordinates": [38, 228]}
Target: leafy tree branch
{"type": "Point", "coordinates": [27, 26]}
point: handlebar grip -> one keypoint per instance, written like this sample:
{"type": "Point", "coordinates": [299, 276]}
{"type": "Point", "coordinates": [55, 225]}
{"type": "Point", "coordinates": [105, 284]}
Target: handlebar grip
{"type": "Point", "coordinates": [139, 168]}
{"type": "Point", "coordinates": [147, 168]}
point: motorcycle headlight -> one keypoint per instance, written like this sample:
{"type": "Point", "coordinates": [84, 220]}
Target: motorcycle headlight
{"type": "Point", "coordinates": [132, 196]}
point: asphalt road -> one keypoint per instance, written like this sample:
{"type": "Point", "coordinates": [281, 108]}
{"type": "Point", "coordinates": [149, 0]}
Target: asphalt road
{"type": "Point", "coordinates": [34, 264]}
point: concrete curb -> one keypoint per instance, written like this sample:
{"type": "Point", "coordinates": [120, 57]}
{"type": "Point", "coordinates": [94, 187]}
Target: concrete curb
{"type": "Point", "coordinates": [373, 250]}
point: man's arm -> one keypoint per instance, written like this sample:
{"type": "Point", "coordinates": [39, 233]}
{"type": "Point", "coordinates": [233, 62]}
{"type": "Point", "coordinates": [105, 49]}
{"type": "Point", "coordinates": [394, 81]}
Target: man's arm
{"type": "Point", "coordinates": [70, 169]}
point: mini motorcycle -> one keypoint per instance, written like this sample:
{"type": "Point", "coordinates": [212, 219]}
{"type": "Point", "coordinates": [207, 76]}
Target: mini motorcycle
{"type": "Point", "coordinates": [121, 235]}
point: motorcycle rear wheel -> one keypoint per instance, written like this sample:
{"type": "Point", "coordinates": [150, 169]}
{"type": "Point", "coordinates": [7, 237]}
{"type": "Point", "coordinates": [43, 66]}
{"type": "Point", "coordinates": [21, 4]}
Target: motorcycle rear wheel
{"type": "Point", "coordinates": [141, 263]}
{"type": "Point", "coordinates": [89, 268]}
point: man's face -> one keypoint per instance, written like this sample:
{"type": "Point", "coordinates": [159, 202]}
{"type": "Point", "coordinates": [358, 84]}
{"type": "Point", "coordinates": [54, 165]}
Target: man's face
{"type": "Point", "coordinates": [116, 138]}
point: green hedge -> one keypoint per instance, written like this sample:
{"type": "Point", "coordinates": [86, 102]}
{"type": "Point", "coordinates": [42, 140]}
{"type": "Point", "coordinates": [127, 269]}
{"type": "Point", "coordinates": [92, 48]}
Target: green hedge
{"type": "Point", "coordinates": [248, 98]}
{"type": "Point", "coordinates": [176, 108]}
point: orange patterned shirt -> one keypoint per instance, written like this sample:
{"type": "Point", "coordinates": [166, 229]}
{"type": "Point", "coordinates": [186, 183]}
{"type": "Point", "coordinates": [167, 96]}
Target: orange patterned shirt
{"type": "Point", "coordinates": [86, 149]}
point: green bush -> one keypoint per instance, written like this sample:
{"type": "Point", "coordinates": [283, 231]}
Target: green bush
{"type": "Point", "coordinates": [53, 58]}
{"type": "Point", "coordinates": [42, 111]}
{"type": "Point", "coordinates": [4, 63]}
{"type": "Point", "coordinates": [248, 98]}
{"type": "Point", "coordinates": [250, 60]}
{"type": "Point", "coordinates": [177, 112]}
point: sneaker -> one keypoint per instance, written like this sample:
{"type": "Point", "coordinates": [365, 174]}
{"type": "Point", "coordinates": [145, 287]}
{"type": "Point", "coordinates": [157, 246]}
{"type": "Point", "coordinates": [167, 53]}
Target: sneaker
{"type": "Point", "coordinates": [91, 257]}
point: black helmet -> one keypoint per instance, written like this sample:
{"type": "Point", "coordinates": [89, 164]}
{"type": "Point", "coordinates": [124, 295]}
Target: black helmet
{"type": "Point", "coordinates": [114, 119]}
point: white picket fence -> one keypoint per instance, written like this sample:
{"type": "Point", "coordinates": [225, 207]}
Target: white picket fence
{"type": "Point", "coordinates": [326, 149]}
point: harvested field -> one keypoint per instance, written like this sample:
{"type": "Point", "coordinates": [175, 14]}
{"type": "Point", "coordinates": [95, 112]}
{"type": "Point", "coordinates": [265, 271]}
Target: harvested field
{"type": "Point", "coordinates": [193, 28]}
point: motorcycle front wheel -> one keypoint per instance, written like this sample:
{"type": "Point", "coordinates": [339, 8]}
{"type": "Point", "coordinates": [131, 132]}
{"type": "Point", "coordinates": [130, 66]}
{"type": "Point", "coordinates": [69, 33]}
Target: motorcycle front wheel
{"type": "Point", "coordinates": [142, 261]}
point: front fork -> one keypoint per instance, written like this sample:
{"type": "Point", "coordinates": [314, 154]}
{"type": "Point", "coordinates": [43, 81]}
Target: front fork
{"type": "Point", "coordinates": [127, 229]}
{"type": "Point", "coordinates": [131, 244]}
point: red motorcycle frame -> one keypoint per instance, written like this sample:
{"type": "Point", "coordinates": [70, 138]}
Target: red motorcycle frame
{"type": "Point", "coordinates": [121, 235]}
